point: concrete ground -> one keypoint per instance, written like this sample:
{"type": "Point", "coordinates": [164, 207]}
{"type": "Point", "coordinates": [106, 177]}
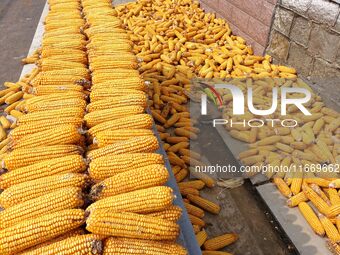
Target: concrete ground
{"type": "Point", "coordinates": [242, 209]}
{"type": "Point", "coordinates": [18, 22]}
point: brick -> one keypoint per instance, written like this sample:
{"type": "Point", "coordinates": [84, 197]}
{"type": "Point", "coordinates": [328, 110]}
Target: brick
{"type": "Point", "coordinates": [283, 20]}
{"type": "Point", "coordinates": [267, 13]}
{"type": "Point", "coordinates": [226, 9]}
{"type": "Point", "coordinates": [300, 6]}
{"type": "Point", "coordinates": [278, 46]}
{"type": "Point", "coordinates": [323, 11]}
{"type": "Point", "coordinates": [240, 18]}
{"type": "Point", "coordinates": [323, 43]}
{"type": "Point", "coordinates": [301, 30]}
{"type": "Point", "coordinates": [238, 3]}
{"type": "Point", "coordinates": [254, 8]}
{"type": "Point", "coordinates": [299, 58]}
{"type": "Point", "coordinates": [258, 31]}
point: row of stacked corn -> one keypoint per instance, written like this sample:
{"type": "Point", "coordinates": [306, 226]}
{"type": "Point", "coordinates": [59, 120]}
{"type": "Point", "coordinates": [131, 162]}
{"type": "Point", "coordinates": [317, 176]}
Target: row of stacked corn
{"type": "Point", "coordinates": [176, 41]}
{"type": "Point", "coordinates": [45, 206]}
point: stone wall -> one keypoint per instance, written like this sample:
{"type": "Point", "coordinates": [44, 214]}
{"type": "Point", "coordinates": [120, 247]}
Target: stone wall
{"type": "Point", "coordinates": [250, 19]}
{"type": "Point", "coordinates": [306, 35]}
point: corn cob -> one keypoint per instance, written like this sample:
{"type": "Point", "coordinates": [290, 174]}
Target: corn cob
{"type": "Point", "coordinates": [108, 137]}
{"type": "Point", "coordinates": [72, 233]}
{"type": "Point", "coordinates": [295, 200]}
{"type": "Point", "coordinates": [194, 210]}
{"type": "Point", "coordinates": [32, 232]}
{"type": "Point", "coordinates": [219, 242]}
{"type": "Point", "coordinates": [311, 218]}
{"type": "Point", "coordinates": [201, 237]}
{"type": "Point", "coordinates": [113, 92]}
{"type": "Point", "coordinates": [39, 126]}
{"type": "Point", "coordinates": [205, 204]}
{"type": "Point", "coordinates": [112, 75]}
{"type": "Point", "coordinates": [333, 196]}
{"type": "Point", "coordinates": [51, 81]}
{"type": "Point", "coordinates": [72, 44]}
{"type": "Point", "coordinates": [111, 56]}
{"type": "Point", "coordinates": [48, 89]}
{"type": "Point", "coordinates": [317, 201]}
{"type": "Point", "coordinates": [129, 246]}
{"type": "Point", "coordinates": [105, 167]}
{"type": "Point", "coordinates": [120, 101]}
{"type": "Point", "coordinates": [139, 121]}
{"type": "Point", "coordinates": [46, 115]}
{"type": "Point", "coordinates": [196, 184]}
{"type": "Point", "coordinates": [95, 30]}
{"type": "Point", "coordinates": [196, 221]}
{"type": "Point", "coordinates": [334, 247]}
{"type": "Point", "coordinates": [53, 97]}
{"type": "Point", "coordinates": [75, 57]}
{"type": "Point", "coordinates": [172, 213]}
{"type": "Point", "coordinates": [94, 118]}
{"type": "Point", "coordinates": [5, 123]}
{"type": "Point", "coordinates": [65, 198]}
{"type": "Point", "coordinates": [28, 156]}
{"type": "Point", "coordinates": [122, 45]}
{"type": "Point", "coordinates": [67, 164]}
{"type": "Point", "coordinates": [51, 65]}
{"type": "Point", "coordinates": [129, 83]}
{"type": "Point", "coordinates": [64, 134]}
{"type": "Point", "coordinates": [14, 98]}
{"type": "Point", "coordinates": [95, 66]}
{"type": "Point", "coordinates": [331, 231]}
{"type": "Point", "coordinates": [54, 105]}
{"type": "Point", "coordinates": [25, 191]}
{"type": "Point", "coordinates": [131, 225]}
{"type": "Point", "coordinates": [140, 201]}
{"type": "Point", "coordinates": [76, 245]}
{"type": "Point", "coordinates": [144, 177]}
{"type": "Point", "coordinates": [48, 51]}
{"type": "Point", "coordinates": [133, 145]}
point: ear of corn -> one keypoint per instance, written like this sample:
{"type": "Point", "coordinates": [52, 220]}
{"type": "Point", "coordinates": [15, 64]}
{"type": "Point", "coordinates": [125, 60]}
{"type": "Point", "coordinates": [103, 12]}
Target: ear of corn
{"type": "Point", "coordinates": [75, 245]}
{"type": "Point", "coordinates": [104, 167]}
{"type": "Point", "coordinates": [172, 213]}
{"type": "Point", "coordinates": [66, 198]}
{"type": "Point", "coordinates": [311, 218]}
{"type": "Point", "coordinates": [32, 232]}
{"type": "Point", "coordinates": [119, 101]}
{"type": "Point", "coordinates": [134, 121]}
{"type": "Point", "coordinates": [94, 118]}
{"type": "Point", "coordinates": [133, 145]}
{"type": "Point", "coordinates": [67, 164]}
{"type": "Point", "coordinates": [27, 156]}
{"type": "Point", "coordinates": [140, 201]}
{"type": "Point", "coordinates": [144, 177]}
{"type": "Point", "coordinates": [127, 224]}
{"type": "Point", "coordinates": [25, 191]}
{"type": "Point", "coordinates": [205, 204]}
{"type": "Point", "coordinates": [130, 246]}
{"type": "Point", "coordinates": [201, 237]}
{"type": "Point", "coordinates": [64, 134]}
{"type": "Point", "coordinates": [219, 242]}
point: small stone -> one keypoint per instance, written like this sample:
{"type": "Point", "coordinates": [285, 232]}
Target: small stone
{"type": "Point", "coordinates": [278, 46]}
{"type": "Point", "coordinates": [299, 58]}
{"type": "Point", "coordinates": [283, 20]}
{"type": "Point", "coordinates": [323, 43]}
{"type": "Point", "coordinates": [322, 69]}
{"type": "Point", "coordinates": [323, 11]}
{"type": "Point", "coordinates": [301, 30]}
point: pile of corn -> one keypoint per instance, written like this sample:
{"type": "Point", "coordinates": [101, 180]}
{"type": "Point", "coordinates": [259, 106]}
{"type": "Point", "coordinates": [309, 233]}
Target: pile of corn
{"type": "Point", "coordinates": [83, 177]}
{"type": "Point", "coordinates": [176, 41]}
